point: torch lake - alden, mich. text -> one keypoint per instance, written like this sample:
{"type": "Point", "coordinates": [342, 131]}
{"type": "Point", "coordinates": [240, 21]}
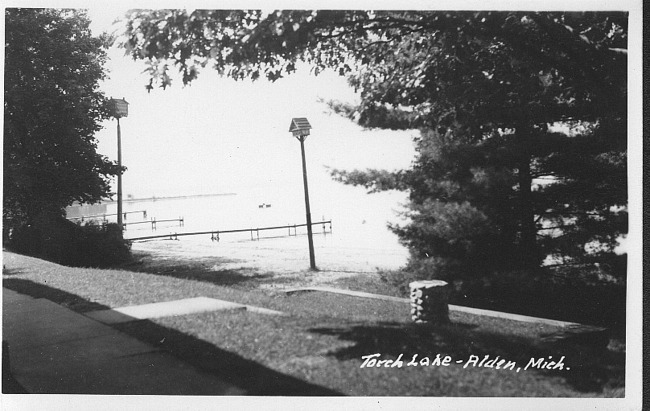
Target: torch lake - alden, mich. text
{"type": "Point", "coordinates": [537, 363]}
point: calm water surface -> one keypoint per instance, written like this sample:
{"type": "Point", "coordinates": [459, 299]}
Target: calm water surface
{"type": "Point", "coordinates": [359, 238]}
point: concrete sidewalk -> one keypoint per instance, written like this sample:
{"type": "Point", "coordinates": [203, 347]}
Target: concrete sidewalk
{"type": "Point", "coordinates": [53, 350]}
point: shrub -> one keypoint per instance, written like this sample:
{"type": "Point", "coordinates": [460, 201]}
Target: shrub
{"type": "Point", "coordinates": [104, 245]}
{"type": "Point", "coordinates": [579, 294]}
{"type": "Point", "coordinates": [548, 296]}
{"type": "Point", "coordinates": [61, 241]}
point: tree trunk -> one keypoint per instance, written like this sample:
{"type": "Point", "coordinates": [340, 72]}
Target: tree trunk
{"type": "Point", "coordinates": [528, 231]}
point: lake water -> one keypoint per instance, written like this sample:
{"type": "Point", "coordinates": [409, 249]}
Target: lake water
{"type": "Point", "coordinates": [359, 240]}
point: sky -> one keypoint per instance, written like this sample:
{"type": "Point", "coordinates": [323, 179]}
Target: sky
{"type": "Point", "coordinates": [220, 135]}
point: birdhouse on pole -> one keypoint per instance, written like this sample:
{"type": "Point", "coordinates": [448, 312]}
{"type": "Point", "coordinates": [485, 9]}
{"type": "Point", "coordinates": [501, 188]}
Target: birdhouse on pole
{"type": "Point", "coordinates": [299, 127]}
{"type": "Point", "coordinates": [119, 108]}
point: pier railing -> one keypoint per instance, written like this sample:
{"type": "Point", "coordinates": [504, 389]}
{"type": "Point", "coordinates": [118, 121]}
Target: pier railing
{"type": "Point", "coordinates": [153, 222]}
{"type": "Point", "coordinates": [215, 235]}
{"type": "Point", "coordinates": [103, 216]}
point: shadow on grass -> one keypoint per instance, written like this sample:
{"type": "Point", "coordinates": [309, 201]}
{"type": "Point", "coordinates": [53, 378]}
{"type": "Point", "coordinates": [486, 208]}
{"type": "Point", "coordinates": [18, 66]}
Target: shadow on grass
{"type": "Point", "coordinates": [198, 269]}
{"type": "Point", "coordinates": [208, 358]}
{"type": "Point", "coordinates": [207, 275]}
{"type": "Point", "coordinates": [71, 301]}
{"type": "Point", "coordinates": [591, 370]}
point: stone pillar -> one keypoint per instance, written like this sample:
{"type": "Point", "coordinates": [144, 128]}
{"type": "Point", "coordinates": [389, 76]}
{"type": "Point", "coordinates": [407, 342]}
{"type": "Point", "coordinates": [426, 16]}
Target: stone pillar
{"type": "Point", "coordinates": [429, 301]}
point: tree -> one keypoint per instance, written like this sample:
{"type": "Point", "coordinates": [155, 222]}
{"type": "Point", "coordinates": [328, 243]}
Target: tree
{"type": "Point", "coordinates": [53, 107]}
{"type": "Point", "coordinates": [523, 116]}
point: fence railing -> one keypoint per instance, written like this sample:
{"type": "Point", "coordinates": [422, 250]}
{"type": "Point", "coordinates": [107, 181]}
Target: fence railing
{"type": "Point", "coordinates": [255, 232]}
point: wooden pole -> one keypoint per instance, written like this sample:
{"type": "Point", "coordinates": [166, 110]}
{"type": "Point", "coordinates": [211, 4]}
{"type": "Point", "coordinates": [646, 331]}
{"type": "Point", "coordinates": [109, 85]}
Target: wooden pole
{"type": "Point", "coordinates": [312, 259]}
{"type": "Point", "coordinates": [119, 176]}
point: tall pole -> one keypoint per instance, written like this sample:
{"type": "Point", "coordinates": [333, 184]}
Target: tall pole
{"type": "Point", "coordinates": [119, 176]}
{"type": "Point", "coordinates": [312, 259]}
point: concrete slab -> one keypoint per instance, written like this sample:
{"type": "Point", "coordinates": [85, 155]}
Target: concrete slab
{"type": "Point", "coordinates": [163, 309]}
{"type": "Point", "coordinates": [172, 308]}
{"type": "Point", "coordinates": [53, 324]}
{"type": "Point", "coordinates": [510, 316]}
{"type": "Point", "coordinates": [10, 296]}
{"type": "Point", "coordinates": [110, 317]}
{"type": "Point", "coordinates": [61, 367]}
{"type": "Point", "coordinates": [162, 374]}
{"type": "Point", "coordinates": [348, 292]}
{"type": "Point", "coordinates": [53, 350]}
{"type": "Point", "coordinates": [115, 364]}
{"type": "Point", "coordinates": [468, 310]}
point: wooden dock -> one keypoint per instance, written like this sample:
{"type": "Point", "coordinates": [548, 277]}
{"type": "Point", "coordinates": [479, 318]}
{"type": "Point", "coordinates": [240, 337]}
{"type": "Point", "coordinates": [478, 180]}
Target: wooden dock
{"type": "Point", "coordinates": [103, 216]}
{"type": "Point", "coordinates": [255, 232]}
{"type": "Point", "coordinates": [153, 222]}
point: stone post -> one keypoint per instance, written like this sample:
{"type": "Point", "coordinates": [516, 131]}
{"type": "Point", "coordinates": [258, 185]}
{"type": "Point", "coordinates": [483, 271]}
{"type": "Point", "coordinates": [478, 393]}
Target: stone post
{"type": "Point", "coordinates": [429, 301]}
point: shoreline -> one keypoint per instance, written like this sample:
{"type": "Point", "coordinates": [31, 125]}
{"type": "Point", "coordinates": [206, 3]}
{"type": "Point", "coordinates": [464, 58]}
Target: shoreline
{"type": "Point", "coordinates": [272, 263]}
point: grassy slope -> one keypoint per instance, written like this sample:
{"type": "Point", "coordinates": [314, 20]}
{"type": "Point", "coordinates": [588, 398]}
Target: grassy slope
{"type": "Point", "coordinates": [325, 335]}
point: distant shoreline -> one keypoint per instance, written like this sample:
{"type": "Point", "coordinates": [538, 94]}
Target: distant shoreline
{"type": "Point", "coordinates": [154, 198]}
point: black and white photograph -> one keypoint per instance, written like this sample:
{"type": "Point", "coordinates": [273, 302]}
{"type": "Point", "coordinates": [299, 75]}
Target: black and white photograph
{"type": "Point", "coordinates": [369, 205]}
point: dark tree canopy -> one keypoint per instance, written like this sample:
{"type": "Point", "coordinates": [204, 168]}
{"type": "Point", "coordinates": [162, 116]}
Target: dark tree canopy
{"type": "Point", "coordinates": [406, 59]}
{"type": "Point", "coordinates": [53, 107]}
{"type": "Point", "coordinates": [523, 116]}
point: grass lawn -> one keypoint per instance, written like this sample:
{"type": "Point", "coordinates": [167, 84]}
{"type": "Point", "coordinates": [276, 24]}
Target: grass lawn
{"type": "Point", "coordinates": [324, 336]}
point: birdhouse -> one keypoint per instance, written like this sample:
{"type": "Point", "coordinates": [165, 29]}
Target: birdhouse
{"type": "Point", "coordinates": [119, 108]}
{"type": "Point", "coordinates": [299, 127]}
